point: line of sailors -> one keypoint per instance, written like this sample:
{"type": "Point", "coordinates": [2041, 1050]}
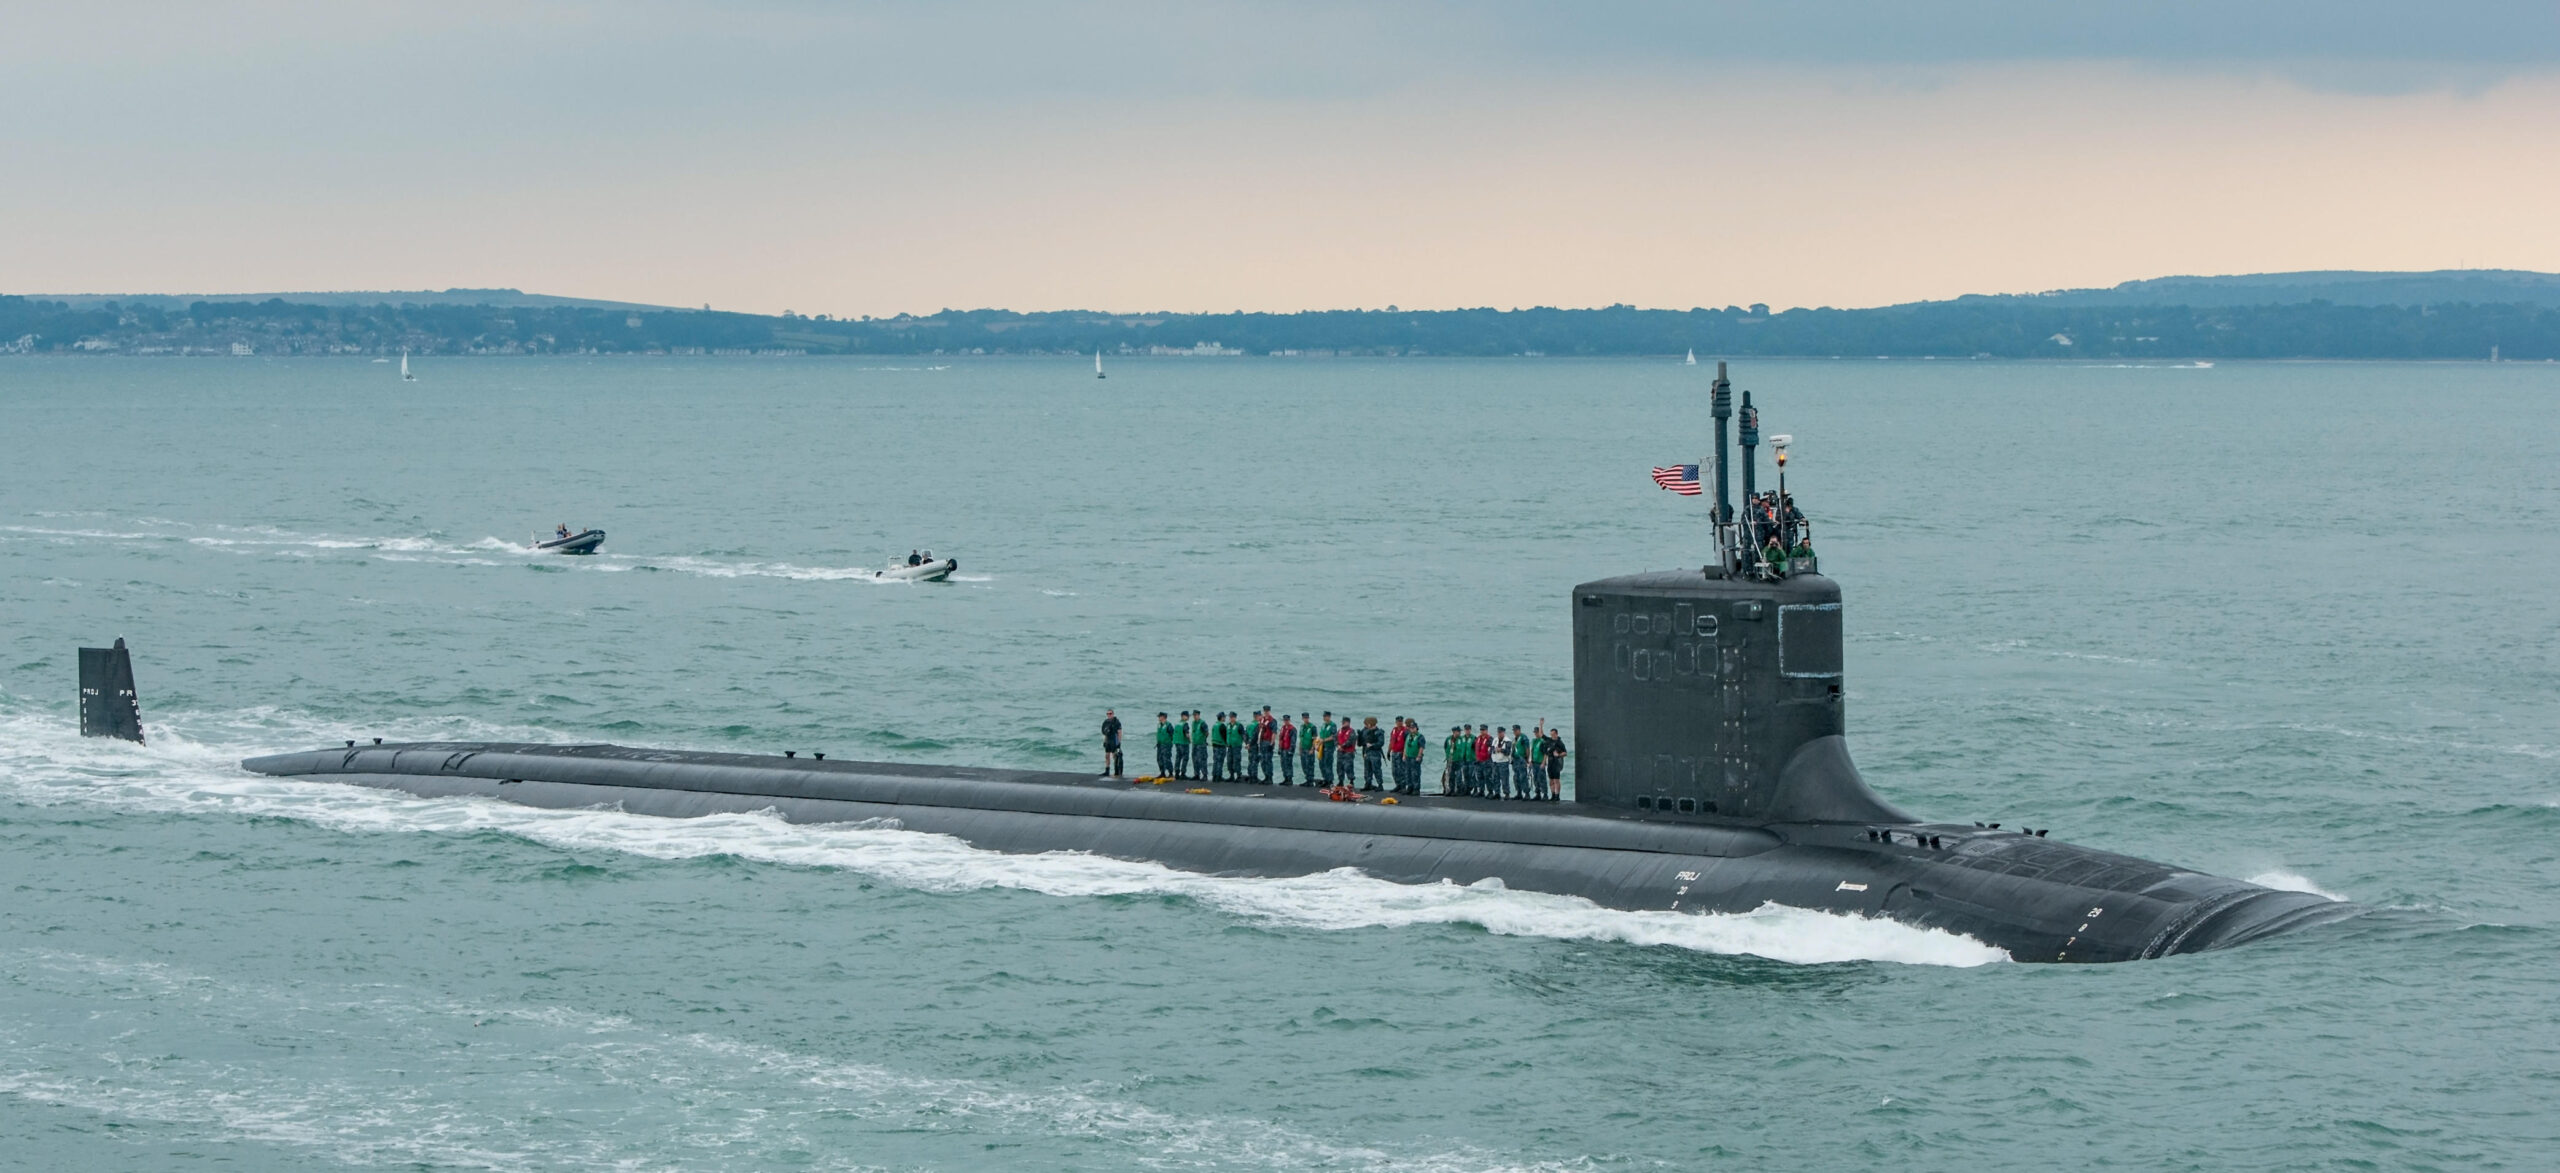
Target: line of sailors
{"type": "Point", "coordinates": [1309, 750]}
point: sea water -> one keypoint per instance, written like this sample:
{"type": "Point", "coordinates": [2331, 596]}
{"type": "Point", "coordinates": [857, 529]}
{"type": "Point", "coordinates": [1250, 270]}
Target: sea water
{"type": "Point", "coordinates": [2289, 622]}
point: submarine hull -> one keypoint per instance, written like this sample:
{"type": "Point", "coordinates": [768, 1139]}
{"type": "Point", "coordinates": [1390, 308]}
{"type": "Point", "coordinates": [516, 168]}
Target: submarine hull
{"type": "Point", "coordinates": [2036, 899]}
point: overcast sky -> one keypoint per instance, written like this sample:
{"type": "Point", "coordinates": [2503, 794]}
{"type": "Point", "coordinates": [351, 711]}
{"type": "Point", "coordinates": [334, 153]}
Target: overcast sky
{"type": "Point", "coordinates": [878, 157]}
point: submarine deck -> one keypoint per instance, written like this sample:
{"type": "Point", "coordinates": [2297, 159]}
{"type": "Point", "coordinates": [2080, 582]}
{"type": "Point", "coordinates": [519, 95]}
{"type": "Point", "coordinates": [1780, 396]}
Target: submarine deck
{"type": "Point", "coordinates": [1075, 778]}
{"type": "Point", "coordinates": [475, 766]}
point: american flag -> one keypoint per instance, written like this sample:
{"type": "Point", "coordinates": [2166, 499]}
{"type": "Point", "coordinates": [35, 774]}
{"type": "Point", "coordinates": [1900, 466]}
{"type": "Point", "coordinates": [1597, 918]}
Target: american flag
{"type": "Point", "coordinates": [1679, 478]}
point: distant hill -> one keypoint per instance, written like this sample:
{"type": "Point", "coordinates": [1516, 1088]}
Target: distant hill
{"type": "Point", "coordinates": [359, 297]}
{"type": "Point", "coordinates": [2471, 314]}
{"type": "Point", "coordinates": [2335, 286]}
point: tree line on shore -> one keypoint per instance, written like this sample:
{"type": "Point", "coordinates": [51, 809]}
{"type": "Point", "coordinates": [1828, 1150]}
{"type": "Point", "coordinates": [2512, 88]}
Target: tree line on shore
{"type": "Point", "coordinates": [1967, 328]}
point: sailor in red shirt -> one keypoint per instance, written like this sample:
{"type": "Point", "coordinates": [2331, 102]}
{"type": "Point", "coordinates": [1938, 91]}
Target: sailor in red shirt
{"type": "Point", "coordinates": [1396, 754]}
{"type": "Point", "coordinates": [1484, 761]}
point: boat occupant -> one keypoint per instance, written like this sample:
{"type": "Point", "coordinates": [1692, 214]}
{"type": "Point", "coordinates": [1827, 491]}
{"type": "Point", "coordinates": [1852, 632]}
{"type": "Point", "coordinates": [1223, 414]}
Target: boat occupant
{"type": "Point", "coordinates": [1110, 744]}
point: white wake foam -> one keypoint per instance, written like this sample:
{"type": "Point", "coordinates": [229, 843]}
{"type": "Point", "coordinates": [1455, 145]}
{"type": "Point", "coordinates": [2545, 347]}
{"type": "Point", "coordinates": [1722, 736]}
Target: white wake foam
{"type": "Point", "coordinates": [2285, 881]}
{"type": "Point", "coordinates": [42, 761]}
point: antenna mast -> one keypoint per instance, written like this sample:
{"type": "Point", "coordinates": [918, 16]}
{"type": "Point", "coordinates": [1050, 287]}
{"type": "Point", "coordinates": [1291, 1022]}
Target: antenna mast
{"type": "Point", "coordinates": [1723, 406]}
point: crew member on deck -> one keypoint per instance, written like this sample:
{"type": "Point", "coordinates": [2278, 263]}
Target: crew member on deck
{"type": "Point", "coordinates": [1413, 746]}
{"type": "Point", "coordinates": [1484, 763]}
{"type": "Point", "coordinates": [1520, 764]}
{"type": "Point", "coordinates": [1554, 757]}
{"type": "Point", "coordinates": [1352, 744]}
{"type": "Point", "coordinates": [1110, 744]}
{"type": "Point", "coordinates": [1164, 746]}
{"type": "Point", "coordinates": [1449, 763]}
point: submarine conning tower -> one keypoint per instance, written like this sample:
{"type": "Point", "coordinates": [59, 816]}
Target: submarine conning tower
{"type": "Point", "coordinates": [1715, 693]}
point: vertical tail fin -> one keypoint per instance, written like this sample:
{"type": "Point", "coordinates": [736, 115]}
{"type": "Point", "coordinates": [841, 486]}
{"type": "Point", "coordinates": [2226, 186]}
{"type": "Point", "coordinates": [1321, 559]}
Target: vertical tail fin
{"type": "Point", "coordinates": [108, 706]}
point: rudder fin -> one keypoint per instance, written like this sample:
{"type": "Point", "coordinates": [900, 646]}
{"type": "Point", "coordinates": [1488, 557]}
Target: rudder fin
{"type": "Point", "coordinates": [108, 704]}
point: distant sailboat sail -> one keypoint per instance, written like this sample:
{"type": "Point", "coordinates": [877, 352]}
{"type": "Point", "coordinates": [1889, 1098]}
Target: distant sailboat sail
{"type": "Point", "coordinates": [1693, 359]}
{"type": "Point", "coordinates": [405, 376]}
{"type": "Point", "coordinates": [1097, 364]}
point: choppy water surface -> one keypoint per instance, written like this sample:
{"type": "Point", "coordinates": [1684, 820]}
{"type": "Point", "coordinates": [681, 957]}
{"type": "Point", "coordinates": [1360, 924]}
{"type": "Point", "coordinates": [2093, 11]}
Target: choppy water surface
{"type": "Point", "coordinates": [2288, 622]}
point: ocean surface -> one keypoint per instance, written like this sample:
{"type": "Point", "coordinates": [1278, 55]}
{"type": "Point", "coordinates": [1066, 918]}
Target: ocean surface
{"type": "Point", "coordinates": [2289, 622]}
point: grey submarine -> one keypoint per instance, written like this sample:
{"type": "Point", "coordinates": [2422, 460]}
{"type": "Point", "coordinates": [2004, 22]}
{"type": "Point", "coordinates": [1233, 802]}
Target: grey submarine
{"type": "Point", "coordinates": [1712, 776]}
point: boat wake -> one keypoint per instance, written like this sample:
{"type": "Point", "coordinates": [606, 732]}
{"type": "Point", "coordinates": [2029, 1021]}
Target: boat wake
{"type": "Point", "coordinates": [275, 542]}
{"type": "Point", "coordinates": [43, 760]}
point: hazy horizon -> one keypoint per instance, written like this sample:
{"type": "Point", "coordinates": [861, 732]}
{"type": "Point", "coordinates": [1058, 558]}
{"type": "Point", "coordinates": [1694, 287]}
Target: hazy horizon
{"type": "Point", "coordinates": [886, 158]}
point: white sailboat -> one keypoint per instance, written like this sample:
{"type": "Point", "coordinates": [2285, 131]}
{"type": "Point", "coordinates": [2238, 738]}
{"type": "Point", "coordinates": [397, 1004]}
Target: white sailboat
{"type": "Point", "coordinates": [1693, 359]}
{"type": "Point", "coordinates": [1097, 364]}
{"type": "Point", "coordinates": [405, 376]}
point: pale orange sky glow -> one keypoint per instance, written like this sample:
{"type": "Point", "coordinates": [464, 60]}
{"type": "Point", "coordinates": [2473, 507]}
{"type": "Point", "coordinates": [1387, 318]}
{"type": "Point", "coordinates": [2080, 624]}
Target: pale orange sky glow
{"type": "Point", "coordinates": [1680, 183]}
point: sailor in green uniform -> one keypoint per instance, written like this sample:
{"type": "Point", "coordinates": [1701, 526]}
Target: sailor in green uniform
{"type": "Point", "coordinates": [1520, 763]}
{"type": "Point", "coordinates": [1199, 745]}
{"type": "Point", "coordinates": [1413, 745]}
{"type": "Point", "coordinates": [1164, 746]}
{"type": "Point", "coordinates": [1449, 762]}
